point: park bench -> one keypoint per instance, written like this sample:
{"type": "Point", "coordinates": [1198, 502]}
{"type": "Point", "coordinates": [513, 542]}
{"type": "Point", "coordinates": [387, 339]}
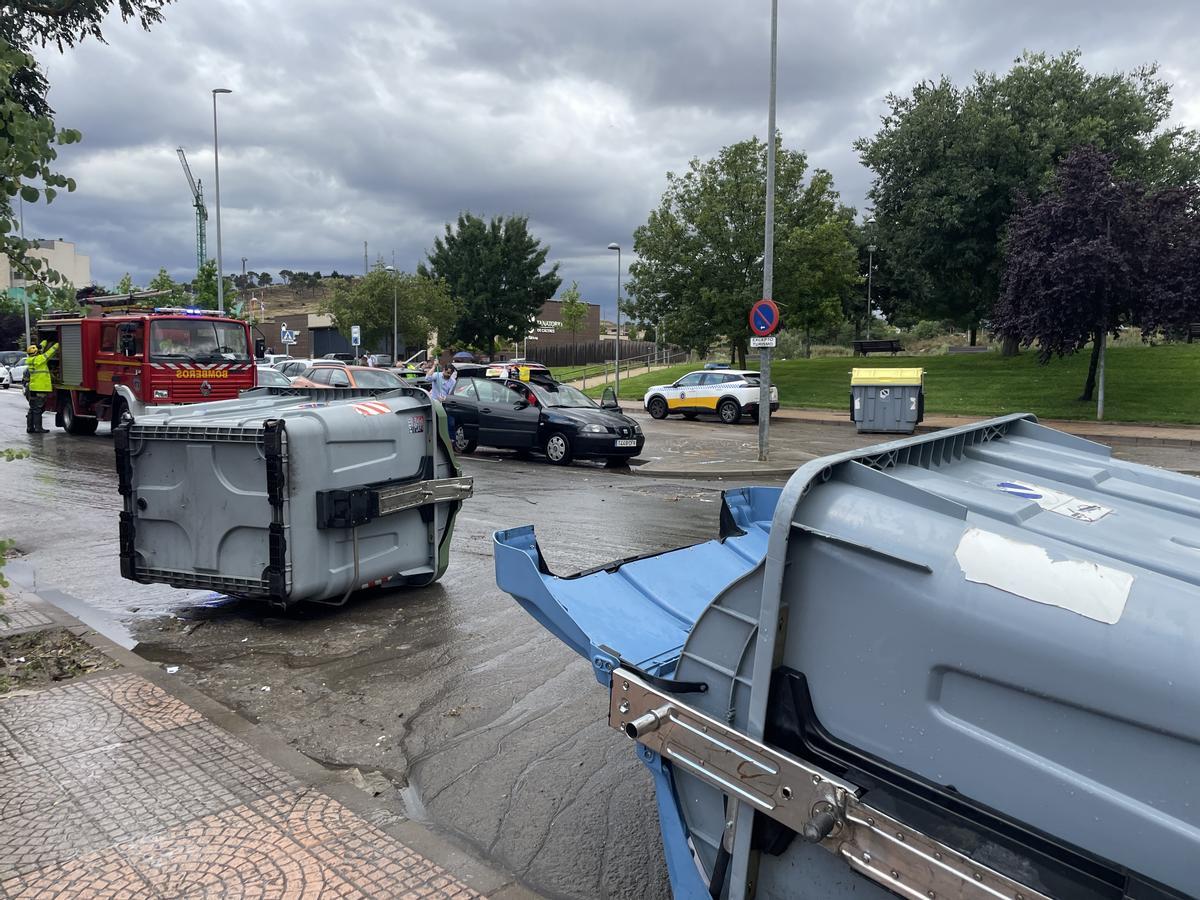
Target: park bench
{"type": "Point", "coordinates": [1193, 332]}
{"type": "Point", "coordinates": [865, 348]}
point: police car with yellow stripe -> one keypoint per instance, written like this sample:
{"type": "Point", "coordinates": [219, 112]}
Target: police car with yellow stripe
{"type": "Point", "coordinates": [730, 393]}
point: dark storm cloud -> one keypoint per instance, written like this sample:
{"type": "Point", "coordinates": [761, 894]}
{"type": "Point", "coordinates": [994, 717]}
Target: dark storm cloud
{"type": "Point", "coordinates": [381, 121]}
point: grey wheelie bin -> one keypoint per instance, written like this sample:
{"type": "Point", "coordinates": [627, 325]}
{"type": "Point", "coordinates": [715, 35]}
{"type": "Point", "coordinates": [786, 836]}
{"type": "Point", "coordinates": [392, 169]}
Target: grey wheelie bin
{"type": "Point", "coordinates": [286, 494]}
{"type": "Point", "coordinates": [887, 401]}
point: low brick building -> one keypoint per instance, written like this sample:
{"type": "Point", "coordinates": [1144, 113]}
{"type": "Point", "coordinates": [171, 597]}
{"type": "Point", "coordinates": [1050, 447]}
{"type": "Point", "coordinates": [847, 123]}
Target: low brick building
{"type": "Point", "coordinates": [549, 330]}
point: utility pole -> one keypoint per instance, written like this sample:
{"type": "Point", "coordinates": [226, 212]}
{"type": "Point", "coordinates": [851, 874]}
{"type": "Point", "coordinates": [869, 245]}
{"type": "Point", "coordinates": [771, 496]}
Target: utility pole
{"type": "Point", "coordinates": [217, 179]}
{"type": "Point", "coordinates": [764, 365]}
{"type": "Point", "coordinates": [25, 289]}
{"type": "Point", "coordinates": [870, 273]}
{"type": "Point", "coordinates": [1103, 336]}
{"type": "Point", "coordinates": [617, 247]}
{"type": "Point", "coordinates": [366, 265]}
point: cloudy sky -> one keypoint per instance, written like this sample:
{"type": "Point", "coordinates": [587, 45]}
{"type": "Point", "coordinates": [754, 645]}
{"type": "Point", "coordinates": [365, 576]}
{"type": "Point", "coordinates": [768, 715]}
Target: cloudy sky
{"type": "Point", "coordinates": [380, 120]}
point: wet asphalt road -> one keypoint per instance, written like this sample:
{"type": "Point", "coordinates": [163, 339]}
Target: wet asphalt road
{"type": "Point", "coordinates": [473, 716]}
{"type": "Point", "coordinates": [482, 722]}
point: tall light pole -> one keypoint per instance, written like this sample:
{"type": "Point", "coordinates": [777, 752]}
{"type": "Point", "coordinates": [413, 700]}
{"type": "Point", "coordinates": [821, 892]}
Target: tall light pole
{"type": "Point", "coordinates": [217, 180]}
{"type": "Point", "coordinates": [25, 289]}
{"type": "Point", "coordinates": [617, 247]}
{"type": "Point", "coordinates": [395, 316]}
{"type": "Point", "coordinates": [870, 276]}
{"type": "Point", "coordinates": [742, 814]}
{"type": "Point", "coordinates": [764, 364]}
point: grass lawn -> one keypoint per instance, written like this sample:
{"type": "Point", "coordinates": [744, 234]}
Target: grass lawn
{"type": "Point", "coordinates": [1144, 384]}
{"type": "Point", "coordinates": [572, 373]}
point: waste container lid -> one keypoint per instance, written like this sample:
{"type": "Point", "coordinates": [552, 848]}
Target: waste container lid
{"type": "Point", "coordinates": [887, 376]}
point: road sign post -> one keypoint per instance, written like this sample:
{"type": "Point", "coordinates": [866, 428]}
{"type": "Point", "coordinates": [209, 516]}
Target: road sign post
{"type": "Point", "coordinates": [764, 319]}
{"type": "Point", "coordinates": [355, 339]}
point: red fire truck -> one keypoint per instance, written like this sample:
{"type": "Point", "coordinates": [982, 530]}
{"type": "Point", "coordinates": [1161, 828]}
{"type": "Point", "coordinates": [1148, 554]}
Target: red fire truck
{"type": "Point", "coordinates": [115, 357]}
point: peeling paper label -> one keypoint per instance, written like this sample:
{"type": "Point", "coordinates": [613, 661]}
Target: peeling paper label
{"type": "Point", "coordinates": [1026, 570]}
{"type": "Point", "coordinates": [1056, 501]}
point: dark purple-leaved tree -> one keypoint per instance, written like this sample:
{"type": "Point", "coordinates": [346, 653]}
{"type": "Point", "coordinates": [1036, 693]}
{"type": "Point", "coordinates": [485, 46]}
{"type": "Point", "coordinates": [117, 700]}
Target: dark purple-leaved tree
{"type": "Point", "coordinates": [1095, 253]}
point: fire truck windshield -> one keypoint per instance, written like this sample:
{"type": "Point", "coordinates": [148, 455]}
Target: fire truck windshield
{"type": "Point", "coordinates": [198, 340]}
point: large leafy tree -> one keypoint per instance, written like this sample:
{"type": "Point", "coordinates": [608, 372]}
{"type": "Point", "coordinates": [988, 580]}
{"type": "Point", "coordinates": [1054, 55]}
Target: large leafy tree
{"type": "Point", "coordinates": [948, 162]}
{"type": "Point", "coordinates": [494, 271]}
{"type": "Point", "coordinates": [699, 265]}
{"type": "Point", "coordinates": [28, 134]}
{"type": "Point", "coordinates": [423, 306]}
{"type": "Point", "coordinates": [816, 275]}
{"type": "Point", "coordinates": [1094, 253]}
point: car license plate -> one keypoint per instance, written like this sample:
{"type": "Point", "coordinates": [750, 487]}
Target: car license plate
{"type": "Point", "coordinates": [625, 442]}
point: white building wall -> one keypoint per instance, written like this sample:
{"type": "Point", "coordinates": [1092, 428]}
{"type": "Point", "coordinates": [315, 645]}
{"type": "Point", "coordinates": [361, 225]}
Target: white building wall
{"type": "Point", "coordinates": [61, 256]}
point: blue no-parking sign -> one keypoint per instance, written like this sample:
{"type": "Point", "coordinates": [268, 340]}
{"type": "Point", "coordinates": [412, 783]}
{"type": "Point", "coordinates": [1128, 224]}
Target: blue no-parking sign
{"type": "Point", "coordinates": [764, 317]}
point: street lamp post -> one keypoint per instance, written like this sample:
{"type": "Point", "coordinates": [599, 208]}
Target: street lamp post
{"type": "Point", "coordinates": [395, 316]}
{"type": "Point", "coordinates": [617, 247]}
{"type": "Point", "coordinates": [764, 364]}
{"type": "Point", "coordinates": [870, 275]}
{"type": "Point", "coordinates": [217, 180]}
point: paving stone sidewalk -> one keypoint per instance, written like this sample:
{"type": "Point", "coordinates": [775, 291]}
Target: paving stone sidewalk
{"type": "Point", "coordinates": [110, 786]}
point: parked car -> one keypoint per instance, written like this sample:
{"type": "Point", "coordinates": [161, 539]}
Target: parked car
{"type": "Point", "coordinates": [265, 376]}
{"type": "Point", "coordinates": [539, 415]}
{"type": "Point", "coordinates": [294, 367]}
{"type": "Point", "coordinates": [343, 357]}
{"type": "Point", "coordinates": [274, 359]}
{"type": "Point", "coordinates": [730, 393]}
{"type": "Point", "coordinates": [326, 376]}
{"type": "Point", "coordinates": [12, 368]}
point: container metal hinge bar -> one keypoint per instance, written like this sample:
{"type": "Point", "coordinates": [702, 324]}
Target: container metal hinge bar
{"type": "Point", "coordinates": [349, 507]}
{"type": "Point", "coordinates": [818, 806]}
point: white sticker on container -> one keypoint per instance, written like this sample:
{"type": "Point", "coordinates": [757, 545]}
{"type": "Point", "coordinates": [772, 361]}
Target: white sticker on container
{"type": "Point", "coordinates": [1026, 570]}
{"type": "Point", "coordinates": [1056, 501]}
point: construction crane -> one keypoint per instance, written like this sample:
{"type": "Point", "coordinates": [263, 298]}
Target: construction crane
{"type": "Point", "coordinates": [201, 212]}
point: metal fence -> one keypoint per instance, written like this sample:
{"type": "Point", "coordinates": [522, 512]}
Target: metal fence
{"type": "Point", "coordinates": [592, 352]}
{"type": "Point", "coordinates": [604, 373]}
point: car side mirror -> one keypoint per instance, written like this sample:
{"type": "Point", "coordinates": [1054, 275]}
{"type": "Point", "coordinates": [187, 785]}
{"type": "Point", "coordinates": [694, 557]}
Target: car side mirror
{"type": "Point", "coordinates": [521, 404]}
{"type": "Point", "coordinates": [608, 400]}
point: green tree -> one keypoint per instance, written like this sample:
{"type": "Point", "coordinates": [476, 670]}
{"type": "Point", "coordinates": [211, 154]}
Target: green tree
{"type": "Point", "coordinates": [125, 285]}
{"type": "Point", "coordinates": [423, 307]}
{"type": "Point", "coordinates": [949, 161]}
{"type": "Point", "coordinates": [699, 266]}
{"type": "Point", "coordinates": [204, 287]}
{"type": "Point", "coordinates": [494, 273]}
{"type": "Point", "coordinates": [164, 282]}
{"type": "Point", "coordinates": [816, 273]}
{"type": "Point", "coordinates": [28, 134]}
{"type": "Point", "coordinates": [28, 139]}
{"type": "Point", "coordinates": [574, 314]}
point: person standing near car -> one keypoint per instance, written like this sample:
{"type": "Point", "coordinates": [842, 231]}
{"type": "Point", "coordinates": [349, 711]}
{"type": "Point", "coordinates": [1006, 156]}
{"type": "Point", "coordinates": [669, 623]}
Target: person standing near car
{"type": "Point", "coordinates": [443, 382]}
{"type": "Point", "coordinates": [441, 386]}
{"type": "Point", "coordinates": [38, 363]}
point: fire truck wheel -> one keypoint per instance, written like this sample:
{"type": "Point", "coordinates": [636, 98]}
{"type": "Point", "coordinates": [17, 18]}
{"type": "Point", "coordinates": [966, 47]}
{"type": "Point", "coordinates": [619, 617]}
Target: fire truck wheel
{"type": "Point", "coordinates": [74, 423]}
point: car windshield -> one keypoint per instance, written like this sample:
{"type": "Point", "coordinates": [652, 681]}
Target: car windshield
{"type": "Point", "coordinates": [272, 378]}
{"type": "Point", "coordinates": [562, 395]}
{"type": "Point", "coordinates": [11, 358]}
{"type": "Point", "coordinates": [376, 379]}
{"type": "Point", "coordinates": [198, 340]}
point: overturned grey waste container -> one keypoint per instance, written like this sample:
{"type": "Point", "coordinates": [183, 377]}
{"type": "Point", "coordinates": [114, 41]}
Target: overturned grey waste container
{"type": "Point", "coordinates": [289, 494]}
{"type": "Point", "coordinates": [959, 665]}
{"type": "Point", "coordinates": [887, 401]}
